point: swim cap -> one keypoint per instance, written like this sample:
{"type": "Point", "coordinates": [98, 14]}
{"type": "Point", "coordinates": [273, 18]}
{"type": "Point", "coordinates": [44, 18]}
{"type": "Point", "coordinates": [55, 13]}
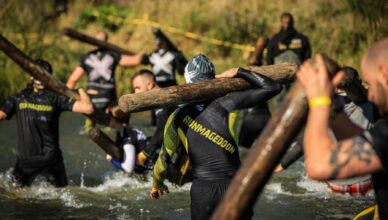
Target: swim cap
{"type": "Point", "coordinates": [199, 68]}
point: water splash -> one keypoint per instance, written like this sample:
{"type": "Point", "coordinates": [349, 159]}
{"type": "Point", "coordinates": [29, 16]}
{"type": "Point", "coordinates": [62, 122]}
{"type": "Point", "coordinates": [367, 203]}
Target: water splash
{"type": "Point", "coordinates": [82, 180]}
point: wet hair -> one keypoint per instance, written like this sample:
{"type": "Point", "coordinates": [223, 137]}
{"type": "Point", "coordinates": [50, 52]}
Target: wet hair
{"type": "Point", "coordinates": [144, 72]}
{"type": "Point", "coordinates": [46, 65]}
{"type": "Point", "coordinates": [289, 15]}
{"type": "Point", "coordinates": [352, 84]}
{"type": "Point", "coordinates": [351, 77]}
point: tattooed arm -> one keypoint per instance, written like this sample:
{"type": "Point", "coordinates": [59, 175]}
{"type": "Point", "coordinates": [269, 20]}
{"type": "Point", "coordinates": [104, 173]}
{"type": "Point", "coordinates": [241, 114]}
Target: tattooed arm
{"type": "Point", "coordinates": [326, 159]}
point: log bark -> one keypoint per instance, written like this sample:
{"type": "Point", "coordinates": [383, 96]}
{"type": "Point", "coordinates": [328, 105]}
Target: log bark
{"type": "Point", "coordinates": [202, 91]}
{"type": "Point", "coordinates": [159, 34]}
{"type": "Point", "coordinates": [259, 48]}
{"type": "Point", "coordinates": [95, 42]}
{"type": "Point", "coordinates": [266, 152]}
{"type": "Point", "coordinates": [50, 81]}
{"type": "Point", "coordinates": [106, 144]}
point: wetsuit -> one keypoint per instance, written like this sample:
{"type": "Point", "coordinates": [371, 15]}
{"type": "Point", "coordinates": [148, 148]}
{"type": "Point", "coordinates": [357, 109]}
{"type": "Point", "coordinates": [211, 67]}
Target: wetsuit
{"type": "Point", "coordinates": [202, 130]}
{"type": "Point", "coordinates": [156, 141]}
{"type": "Point", "coordinates": [37, 114]}
{"type": "Point", "coordinates": [377, 137]}
{"type": "Point", "coordinates": [164, 65]}
{"type": "Point", "coordinates": [132, 141]}
{"type": "Point", "coordinates": [253, 123]}
{"type": "Point", "coordinates": [100, 67]}
{"type": "Point", "coordinates": [288, 46]}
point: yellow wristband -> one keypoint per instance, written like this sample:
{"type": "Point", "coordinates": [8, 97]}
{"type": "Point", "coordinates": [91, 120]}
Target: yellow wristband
{"type": "Point", "coordinates": [142, 156]}
{"type": "Point", "coordinates": [319, 101]}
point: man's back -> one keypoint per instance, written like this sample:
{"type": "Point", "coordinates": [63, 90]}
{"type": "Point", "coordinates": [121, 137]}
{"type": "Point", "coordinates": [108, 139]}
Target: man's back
{"type": "Point", "coordinates": [212, 149]}
{"type": "Point", "coordinates": [164, 65]}
{"type": "Point", "coordinates": [100, 66]}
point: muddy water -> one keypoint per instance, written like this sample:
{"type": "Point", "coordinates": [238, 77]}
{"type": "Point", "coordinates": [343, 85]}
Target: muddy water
{"type": "Point", "coordinates": [96, 191]}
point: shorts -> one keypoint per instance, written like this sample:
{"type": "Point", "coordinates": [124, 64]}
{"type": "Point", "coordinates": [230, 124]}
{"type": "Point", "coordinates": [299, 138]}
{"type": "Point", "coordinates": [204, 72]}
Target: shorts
{"type": "Point", "coordinates": [206, 195]}
{"type": "Point", "coordinates": [353, 189]}
{"type": "Point", "coordinates": [55, 173]}
{"type": "Point", "coordinates": [103, 101]}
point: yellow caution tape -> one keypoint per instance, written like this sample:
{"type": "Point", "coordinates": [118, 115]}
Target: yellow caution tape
{"type": "Point", "coordinates": [146, 22]}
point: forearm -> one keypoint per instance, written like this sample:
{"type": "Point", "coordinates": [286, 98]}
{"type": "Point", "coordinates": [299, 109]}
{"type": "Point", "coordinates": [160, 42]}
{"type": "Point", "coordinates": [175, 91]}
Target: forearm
{"type": "Point", "coordinates": [71, 84]}
{"type": "Point", "coordinates": [292, 155]}
{"type": "Point", "coordinates": [317, 141]}
{"type": "Point", "coordinates": [2, 115]}
{"type": "Point", "coordinates": [159, 172]}
{"type": "Point", "coordinates": [265, 89]}
{"type": "Point", "coordinates": [75, 77]}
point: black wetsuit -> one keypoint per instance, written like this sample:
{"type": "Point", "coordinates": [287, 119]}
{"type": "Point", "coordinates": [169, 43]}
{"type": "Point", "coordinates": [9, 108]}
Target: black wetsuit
{"type": "Point", "coordinates": [164, 65]}
{"type": "Point", "coordinates": [202, 129]}
{"type": "Point", "coordinates": [156, 141]}
{"type": "Point", "coordinates": [377, 137]}
{"type": "Point", "coordinates": [100, 67]}
{"type": "Point", "coordinates": [288, 40]}
{"type": "Point", "coordinates": [37, 114]}
{"type": "Point", "coordinates": [253, 123]}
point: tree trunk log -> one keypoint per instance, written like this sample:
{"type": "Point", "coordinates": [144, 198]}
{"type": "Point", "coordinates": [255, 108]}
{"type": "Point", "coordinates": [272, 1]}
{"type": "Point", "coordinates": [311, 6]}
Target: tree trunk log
{"type": "Point", "coordinates": [93, 41]}
{"type": "Point", "coordinates": [106, 144]}
{"type": "Point", "coordinates": [50, 81]}
{"type": "Point", "coordinates": [201, 91]}
{"type": "Point", "coordinates": [259, 48]}
{"type": "Point", "coordinates": [266, 152]}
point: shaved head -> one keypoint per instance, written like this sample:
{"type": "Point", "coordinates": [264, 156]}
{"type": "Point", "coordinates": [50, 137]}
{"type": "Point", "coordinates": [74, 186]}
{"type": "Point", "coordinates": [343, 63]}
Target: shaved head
{"type": "Point", "coordinates": [143, 80]}
{"type": "Point", "coordinates": [374, 66]}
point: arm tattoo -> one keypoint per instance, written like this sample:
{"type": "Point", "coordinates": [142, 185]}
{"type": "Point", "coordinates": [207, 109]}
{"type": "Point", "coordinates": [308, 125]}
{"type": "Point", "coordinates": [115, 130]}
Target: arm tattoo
{"type": "Point", "coordinates": [357, 150]}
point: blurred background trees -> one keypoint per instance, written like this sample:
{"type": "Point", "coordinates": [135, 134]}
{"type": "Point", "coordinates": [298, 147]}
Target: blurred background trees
{"type": "Point", "coordinates": [342, 29]}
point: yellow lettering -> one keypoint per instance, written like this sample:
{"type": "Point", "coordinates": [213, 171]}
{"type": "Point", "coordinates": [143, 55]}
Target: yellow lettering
{"type": "Point", "coordinates": [206, 133]}
{"type": "Point", "coordinates": [212, 135]}
{"type": "Point", "coordinates": [215, 139]}
{"type": "Point", "coordinates": [36, 107]}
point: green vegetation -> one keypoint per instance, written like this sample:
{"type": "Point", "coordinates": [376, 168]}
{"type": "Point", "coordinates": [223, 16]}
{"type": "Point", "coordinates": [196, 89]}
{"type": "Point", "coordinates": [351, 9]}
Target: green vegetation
{"type": "Point", "coordinates": [342, 29]}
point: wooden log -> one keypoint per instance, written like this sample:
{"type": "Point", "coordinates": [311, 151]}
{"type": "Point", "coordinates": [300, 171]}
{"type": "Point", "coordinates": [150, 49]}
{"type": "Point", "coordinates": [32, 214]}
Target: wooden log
{"type": "Point", "coordinates": [106, 144]}
{"type": "Point", "coordinates": [259, 48]}
{"type": "Point", "coordinates": [266, 152]}
{"type": "Point", "coordinates": [50, 81]}
{"type": "Point", "coordinates": [95, 42]}
{"type": "Point", "coordinates": [201, 91]}
{"type": "Point", "coordinates": [159, 34]}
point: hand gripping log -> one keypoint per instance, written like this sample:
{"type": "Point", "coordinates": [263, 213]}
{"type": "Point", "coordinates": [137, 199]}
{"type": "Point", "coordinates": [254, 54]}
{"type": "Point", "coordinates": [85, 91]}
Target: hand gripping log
{"type": "Point", "coordinates": [93, 41]}
{"type": "Point", "coordinates": [266, 152]}
{"type": "Point", "coordinates": [50, 81]}
{"type": "Point", "coordinates": [201, 91]}
{"type": "Point", "coordinates": [106, 144]}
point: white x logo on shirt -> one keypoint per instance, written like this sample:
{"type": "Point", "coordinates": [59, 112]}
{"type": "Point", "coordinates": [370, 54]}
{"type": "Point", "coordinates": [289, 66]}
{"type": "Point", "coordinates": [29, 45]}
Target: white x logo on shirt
{"type": "Point", "coordinates": [101, 68]}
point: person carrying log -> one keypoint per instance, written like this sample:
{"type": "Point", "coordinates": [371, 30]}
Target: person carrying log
{"type": "Point", "coordinates": [358, 152]}
{"type": "Point", "coordinates": [202, 130]}
{"type": "Point", "coordinates": [37, 111]}
{"type": "Point", "coordinates": [350, 100]}
{"type": "Point", "coordinates": [143, 81]}
{"type": "Point", "coordinates": [100, 65]}
{"type": "Point", "coordinates": [165, 60]}
{"type": "Point", "coordinates": [254, 119]}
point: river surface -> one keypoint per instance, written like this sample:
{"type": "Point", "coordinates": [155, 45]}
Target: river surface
{"type": "Point", "coordinates": [96, 191]}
